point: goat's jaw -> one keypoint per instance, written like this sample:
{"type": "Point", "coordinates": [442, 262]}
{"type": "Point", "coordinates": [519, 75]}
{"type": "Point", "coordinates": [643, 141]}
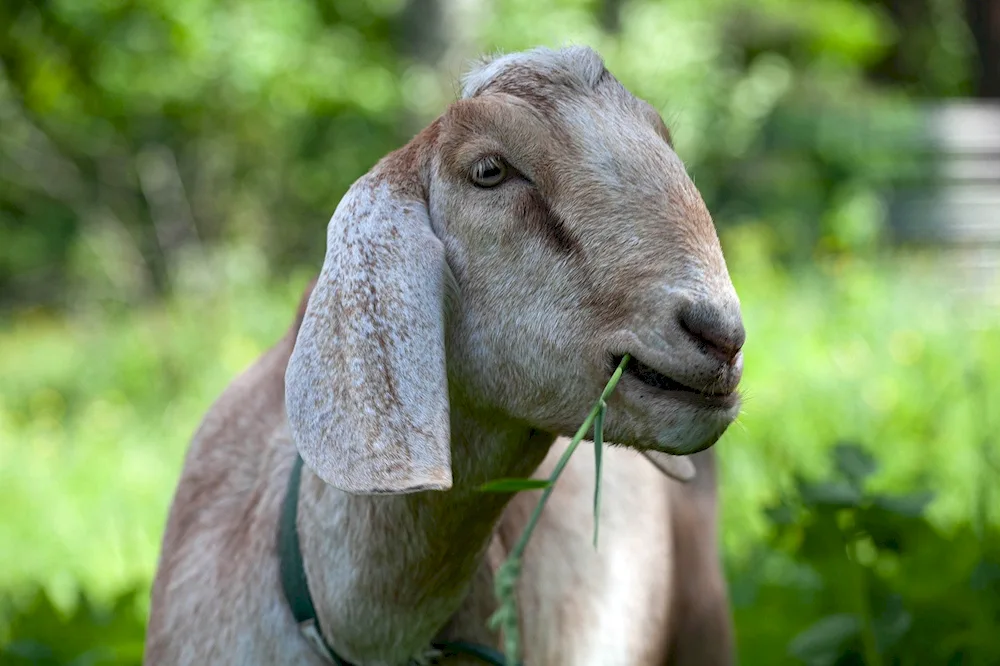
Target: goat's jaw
{"type": "Point", "coordinates": [672, 422]}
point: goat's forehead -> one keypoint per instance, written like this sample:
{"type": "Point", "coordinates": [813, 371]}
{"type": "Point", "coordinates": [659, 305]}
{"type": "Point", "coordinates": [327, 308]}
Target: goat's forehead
{"type": "Point", "coordinates": [571, 84]}
{"type": "Point", "coordinates": [598, 119]}
{"type": "Point", "coordinates": [577, 68]}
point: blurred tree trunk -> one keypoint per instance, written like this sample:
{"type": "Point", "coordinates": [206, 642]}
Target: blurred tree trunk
{"type": "Point", "coordinates": [609, 15]}
{"type": "Point", "coordinates": [903, 63]}
{"type": "Point", "coordinates": [419, 35]}
{"type": "Point", "coordinates": [914, 18]}
{"type": "Point", "coordinates": [984, 22]}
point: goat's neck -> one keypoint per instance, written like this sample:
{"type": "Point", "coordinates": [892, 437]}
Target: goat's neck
{"type": "Point", "coordinates": [387, 572]}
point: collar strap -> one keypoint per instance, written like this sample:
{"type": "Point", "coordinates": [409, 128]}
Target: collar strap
{"type": "Point", "coordinates": [296, 587]}
{"type": "Point", "coordinates": [293, 573]}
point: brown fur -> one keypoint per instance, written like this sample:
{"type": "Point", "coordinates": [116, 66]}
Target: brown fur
{"type": "Point", "coordinates": [540, 219]}
{"type": "Point", "coordinates": [453, 335]}
{"type": "Point", "coordinates": [701, 634]}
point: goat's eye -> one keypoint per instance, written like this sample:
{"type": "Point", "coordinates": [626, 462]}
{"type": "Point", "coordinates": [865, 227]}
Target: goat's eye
{"type": "Point", "coordinates": [489, 172]}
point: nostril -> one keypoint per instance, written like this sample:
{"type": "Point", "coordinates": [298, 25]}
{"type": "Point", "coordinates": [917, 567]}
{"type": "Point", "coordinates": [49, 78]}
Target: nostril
{"type": "Point", "coordinates": [712, 330]}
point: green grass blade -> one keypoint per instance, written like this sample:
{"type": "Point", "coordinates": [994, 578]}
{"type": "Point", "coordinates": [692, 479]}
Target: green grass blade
{"type": "Point", "coordinates": [598, 451]}
{"type": "Point", "coordinates": [504, 585]}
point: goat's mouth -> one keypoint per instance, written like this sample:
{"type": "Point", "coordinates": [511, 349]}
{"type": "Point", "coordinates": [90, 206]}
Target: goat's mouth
{"type": "Point", "coordinates": [669, 386]}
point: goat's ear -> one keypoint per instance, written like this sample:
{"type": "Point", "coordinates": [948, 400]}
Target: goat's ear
{"type": "Point", "coordinates": [365, 390]}
{"type": "Point", "coordinates": [679, 468]}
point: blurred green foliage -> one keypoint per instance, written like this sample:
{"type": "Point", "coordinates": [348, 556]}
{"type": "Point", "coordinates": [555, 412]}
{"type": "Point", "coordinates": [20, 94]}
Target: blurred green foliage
{"type": "Point", "coordinates": [137, 132]}
{"type": "Point", "coordinates": [38, 633]}
{"type": "Point", "coordinates": [166, 173]}
{"type": "Point", "coordinates": [864, 578]}
{"type": "Point", "coordinates": [96, 411]}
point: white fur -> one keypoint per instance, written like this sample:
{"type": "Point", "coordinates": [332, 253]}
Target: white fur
{"type": "Point", "coordinates": [578, 63]}
{"type": "Point", "coordinates": [452, 334]}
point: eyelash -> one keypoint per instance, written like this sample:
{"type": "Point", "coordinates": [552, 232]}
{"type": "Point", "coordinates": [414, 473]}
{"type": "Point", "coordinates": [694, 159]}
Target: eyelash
{"type": "Point", "coordinates": [490, 163]}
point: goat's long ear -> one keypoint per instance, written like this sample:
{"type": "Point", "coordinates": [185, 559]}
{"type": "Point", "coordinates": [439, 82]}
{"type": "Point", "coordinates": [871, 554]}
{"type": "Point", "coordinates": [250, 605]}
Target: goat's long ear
{"type": "Point", "coordinates": [366, 390]}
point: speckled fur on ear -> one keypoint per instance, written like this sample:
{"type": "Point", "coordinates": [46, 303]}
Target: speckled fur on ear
{"type": "Point", "coordinates": [366, 390]}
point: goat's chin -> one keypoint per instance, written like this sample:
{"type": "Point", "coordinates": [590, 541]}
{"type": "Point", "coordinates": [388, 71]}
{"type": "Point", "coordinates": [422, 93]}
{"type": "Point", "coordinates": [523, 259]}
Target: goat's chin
{"type": "Point", "coordinates": [678, 425]}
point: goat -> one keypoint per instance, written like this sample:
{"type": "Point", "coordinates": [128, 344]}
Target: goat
{"type": "Point", "coordinates": [479, 286]}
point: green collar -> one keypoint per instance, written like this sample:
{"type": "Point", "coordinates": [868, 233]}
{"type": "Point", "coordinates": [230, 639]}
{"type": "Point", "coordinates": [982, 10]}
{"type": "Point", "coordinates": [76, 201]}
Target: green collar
{"type": "Point", "coordinates": [296, 587]}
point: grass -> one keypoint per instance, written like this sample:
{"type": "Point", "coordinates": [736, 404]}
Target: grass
{"type": "Point", "coordinates": [95, 415]}
{"type": "Point", "coordinates": [883, 353]}
{"type": "Point", "coordinates": [506, 617]}
{"type": "Point", "coordinates": [96, 409]}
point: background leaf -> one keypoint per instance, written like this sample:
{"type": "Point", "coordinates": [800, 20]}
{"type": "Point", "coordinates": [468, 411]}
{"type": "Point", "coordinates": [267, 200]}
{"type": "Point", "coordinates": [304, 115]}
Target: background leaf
{"type": "Point", "coordinates": [854, 463]}
{"type": "Point", "coordinates": [824, 642]}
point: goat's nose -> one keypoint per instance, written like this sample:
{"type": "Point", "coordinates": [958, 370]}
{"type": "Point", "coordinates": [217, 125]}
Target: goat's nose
{"type": "Point", "coordinates": [717, 332]}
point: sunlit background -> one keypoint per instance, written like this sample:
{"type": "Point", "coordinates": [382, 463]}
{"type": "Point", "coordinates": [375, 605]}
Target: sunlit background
{"type": "Point", "coordinates": [168, 168]}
